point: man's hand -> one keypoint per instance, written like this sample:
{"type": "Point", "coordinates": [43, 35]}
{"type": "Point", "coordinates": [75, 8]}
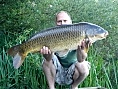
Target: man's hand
{"type": "Point", "coordinates": [82, 50]}
{"type": "Point", "coordinates": [47, 54]}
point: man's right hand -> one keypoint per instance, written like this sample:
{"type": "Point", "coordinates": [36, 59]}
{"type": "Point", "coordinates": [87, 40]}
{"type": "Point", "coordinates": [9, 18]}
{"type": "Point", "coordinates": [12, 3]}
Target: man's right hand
{"type": "Point", "coordinates": [47, 54]}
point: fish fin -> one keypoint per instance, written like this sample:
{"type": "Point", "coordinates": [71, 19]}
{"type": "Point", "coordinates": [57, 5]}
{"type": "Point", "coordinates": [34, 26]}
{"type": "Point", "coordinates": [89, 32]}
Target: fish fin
{"type": "Point", "coordinates": [13, 50]}
{"type": "Point", "coordinates": [87, 42]}
{"type": "Point", "coordinates": [18, 55]}
{"type": "Point", "coordinates": [86, 50]}
{"type": "Point", "coordinates": [18, 60]}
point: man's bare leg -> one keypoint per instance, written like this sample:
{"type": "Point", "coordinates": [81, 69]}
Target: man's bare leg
{"type": "Point", "coordinates": [81, 72]}
{"type": "Point", "coordinates": [82, 67]}
{"type": "Point", "coordinates": [49, 70]}
{"type": "Point", "coordinates": [48, 67]}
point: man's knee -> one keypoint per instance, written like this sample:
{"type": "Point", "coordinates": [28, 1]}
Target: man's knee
{"type": "Point", "coordinates": [47, 64]}
{"type": "Point", "coordinates": [85, 73]}
{"type": "Point", "coordinates": [86, 68]}
{"type": "Point", "coordinates": [83, 68]}
{"type": "Point", "coordinates": [76, 74]}
{"type": "Point", "coordinates": [48, 67]}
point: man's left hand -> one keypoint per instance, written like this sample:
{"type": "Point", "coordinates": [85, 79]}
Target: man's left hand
{"type": "Point", "coordinates": [83, 49]}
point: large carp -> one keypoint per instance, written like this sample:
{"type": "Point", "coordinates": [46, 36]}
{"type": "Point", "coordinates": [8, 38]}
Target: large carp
{"type": "Point", "coordinates": [57, 38]}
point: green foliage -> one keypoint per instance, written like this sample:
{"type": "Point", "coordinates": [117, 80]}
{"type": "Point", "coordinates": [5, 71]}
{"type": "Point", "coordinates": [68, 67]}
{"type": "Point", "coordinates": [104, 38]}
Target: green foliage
{"type": "Point", "coordinates": [20, 19]}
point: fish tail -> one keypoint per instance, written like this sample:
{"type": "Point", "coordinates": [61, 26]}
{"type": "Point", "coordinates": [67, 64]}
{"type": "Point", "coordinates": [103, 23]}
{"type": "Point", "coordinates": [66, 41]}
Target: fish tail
{"type": "Point", "coordinates": [18, 56]}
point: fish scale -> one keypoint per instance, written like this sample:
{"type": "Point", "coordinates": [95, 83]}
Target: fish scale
{"type": "Point", "coordinates": [57, 39]}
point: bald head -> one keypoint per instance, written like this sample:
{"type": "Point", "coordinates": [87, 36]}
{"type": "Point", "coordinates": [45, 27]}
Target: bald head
{"type": "Point", "coordinates": [63, 18]}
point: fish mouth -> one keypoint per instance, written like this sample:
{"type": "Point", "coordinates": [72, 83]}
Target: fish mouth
{"type": "Point", "coordinates": [94, 38]}
{"type": "Point", "coordinates": [103, 35]}
{"type": "Point", "coordinates": [106, 34]}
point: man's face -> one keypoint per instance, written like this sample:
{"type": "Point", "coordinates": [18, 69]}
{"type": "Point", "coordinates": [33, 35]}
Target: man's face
{"type": "Point", "coordinates": [63, 19]}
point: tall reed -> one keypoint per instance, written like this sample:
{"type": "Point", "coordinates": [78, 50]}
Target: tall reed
{"type": "Point", "coordinates": [31, 76]}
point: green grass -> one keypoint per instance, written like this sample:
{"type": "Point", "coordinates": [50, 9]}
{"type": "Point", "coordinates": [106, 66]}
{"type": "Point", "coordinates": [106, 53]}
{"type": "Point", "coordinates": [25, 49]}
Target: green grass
{"type": "Point", "coordinates": [31, 76]}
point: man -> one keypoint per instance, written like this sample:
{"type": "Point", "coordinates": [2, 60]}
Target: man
{"type": "Point", "coordinates": [68, 66]}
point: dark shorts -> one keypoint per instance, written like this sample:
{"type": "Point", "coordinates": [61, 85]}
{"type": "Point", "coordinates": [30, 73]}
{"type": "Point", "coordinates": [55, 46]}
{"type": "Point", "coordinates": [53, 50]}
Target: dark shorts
{"type": "Point", "coordinates": [63, 75]}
